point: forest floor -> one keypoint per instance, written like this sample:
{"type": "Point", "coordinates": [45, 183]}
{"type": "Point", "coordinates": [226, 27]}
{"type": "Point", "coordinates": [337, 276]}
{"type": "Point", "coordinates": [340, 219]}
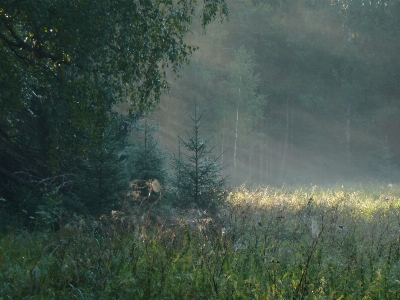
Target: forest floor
{"type": "Point", "coordinates": [264, 244]}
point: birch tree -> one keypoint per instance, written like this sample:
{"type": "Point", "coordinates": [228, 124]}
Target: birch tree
{"type": "Point", "coordinates": [245, 106]}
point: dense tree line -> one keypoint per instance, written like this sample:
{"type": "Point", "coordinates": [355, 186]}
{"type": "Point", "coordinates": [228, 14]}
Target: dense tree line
{"type": "Point", "coordinates": [292, 91]}
{"type": "Point", "coordinates": [65, 66]}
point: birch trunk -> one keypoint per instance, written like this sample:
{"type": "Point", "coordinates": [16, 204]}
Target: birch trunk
{"type": "Point", "coordinates": [348, 135]}
{"type": "Point", "coordinates": [222, 144]}
{"type": "Point", "coordinates": [236, 132]}
{"type": "Point", "coordinates": [286, 139]}
{"type": "Point", "coordinates": [267, 153]}
{"type": "Point", "coordinates": [260, 161]}
{"type": "Point", "coordinates": [250, 163]}
{"type": "Point", "coordinates": [291, 138]}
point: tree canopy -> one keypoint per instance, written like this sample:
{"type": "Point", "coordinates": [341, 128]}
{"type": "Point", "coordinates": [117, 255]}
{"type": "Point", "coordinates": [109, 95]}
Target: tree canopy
{"type": "Point", "coordinates": [65, 65]}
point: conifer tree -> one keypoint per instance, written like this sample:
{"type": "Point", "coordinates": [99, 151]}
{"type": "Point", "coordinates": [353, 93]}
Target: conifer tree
{"type": "Point", "coordinates": [148, 161]}
{"type": "Point", "coordinates": [103, 176]}
{"type": "Point", "coordinates": [198, 172]}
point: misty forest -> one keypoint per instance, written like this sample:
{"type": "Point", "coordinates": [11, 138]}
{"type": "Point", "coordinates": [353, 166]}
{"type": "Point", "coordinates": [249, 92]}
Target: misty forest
{"type": "Point", "coordinates": [215, 149]}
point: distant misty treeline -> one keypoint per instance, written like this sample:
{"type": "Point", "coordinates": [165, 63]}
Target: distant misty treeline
{"type": "Point", "coordinates": [297, 92]}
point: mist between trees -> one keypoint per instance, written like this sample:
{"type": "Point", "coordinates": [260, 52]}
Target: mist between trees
{"type": "Point", "coordinates": [128, 129]}
{"type": "Point", "coordinates": [297, 92]}
{"type": "Point", "coordinates": [292, 92]}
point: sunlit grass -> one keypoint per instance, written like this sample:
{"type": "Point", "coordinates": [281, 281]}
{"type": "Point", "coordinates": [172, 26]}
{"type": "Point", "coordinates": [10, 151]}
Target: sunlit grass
{"type": "Point", "coordinates": [265, 244]}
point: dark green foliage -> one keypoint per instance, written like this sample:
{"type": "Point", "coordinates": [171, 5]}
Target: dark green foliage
{"type": "Point", "coordinates": [64, 68]}
{"type": "Point", "coordinates": [146, 160]}
{"type": "Point", "coordinates": [102, 177]}
{"type": "Point", "coordinates": [198, 178]}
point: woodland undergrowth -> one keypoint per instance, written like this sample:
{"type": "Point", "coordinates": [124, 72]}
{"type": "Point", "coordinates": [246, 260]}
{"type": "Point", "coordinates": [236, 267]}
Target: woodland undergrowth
{"type": "Point", "coordinates": [263, 244]}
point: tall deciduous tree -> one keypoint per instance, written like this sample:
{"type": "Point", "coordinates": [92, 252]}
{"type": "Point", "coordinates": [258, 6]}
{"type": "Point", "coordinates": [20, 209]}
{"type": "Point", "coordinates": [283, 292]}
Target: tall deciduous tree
{"type": "Point", "coordinates": [246, 106]}
{"type": "Point", "coordinates": [64, 65]}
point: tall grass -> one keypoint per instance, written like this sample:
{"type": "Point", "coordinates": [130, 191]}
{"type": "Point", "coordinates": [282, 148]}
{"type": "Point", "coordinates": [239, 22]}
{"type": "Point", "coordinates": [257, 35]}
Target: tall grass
{"type": "Point", "coordinates": [265, 244]}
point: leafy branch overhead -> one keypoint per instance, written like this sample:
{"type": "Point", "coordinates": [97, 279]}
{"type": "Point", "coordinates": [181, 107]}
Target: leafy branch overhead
{"type": "Point", "coordinates": [121, 43]}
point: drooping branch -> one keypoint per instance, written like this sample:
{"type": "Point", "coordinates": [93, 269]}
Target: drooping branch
{"type": "Point", "coordinates": [19, 43]}
{"type": "Point", "coordinates": [18, 179]}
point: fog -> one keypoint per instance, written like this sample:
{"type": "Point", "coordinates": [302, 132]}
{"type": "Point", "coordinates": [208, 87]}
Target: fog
{"type": "Point", "coordinates": [307, 91]}
{"type": "Point", "coordinates": [110, 182]}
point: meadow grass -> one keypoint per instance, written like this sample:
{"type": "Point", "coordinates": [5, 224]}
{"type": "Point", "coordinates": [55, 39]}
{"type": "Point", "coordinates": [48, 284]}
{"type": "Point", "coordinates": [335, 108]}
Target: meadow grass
{"type": "Point", "coordinates": [264, 244]}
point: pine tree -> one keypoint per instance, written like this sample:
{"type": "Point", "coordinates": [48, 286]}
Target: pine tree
{"type": "Point", "coordinates": [198, 177]}
{"type": "Point", "coordinates": [148, 161]}
{"type": "Point", "coordinates": [103, 176]}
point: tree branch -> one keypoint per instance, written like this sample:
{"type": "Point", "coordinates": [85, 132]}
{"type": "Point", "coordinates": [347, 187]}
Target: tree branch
{"type": "Point", "coordinates": [17, 179]}
{"type": "Point", "coordinates": [19, 43]}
